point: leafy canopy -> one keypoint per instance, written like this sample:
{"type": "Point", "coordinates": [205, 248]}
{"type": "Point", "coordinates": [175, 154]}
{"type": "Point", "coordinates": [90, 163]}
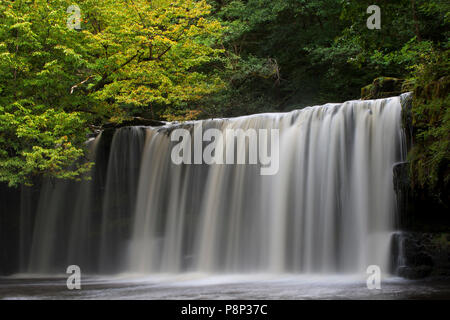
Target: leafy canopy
{"type": "Point", "coordinates": [131, 56]}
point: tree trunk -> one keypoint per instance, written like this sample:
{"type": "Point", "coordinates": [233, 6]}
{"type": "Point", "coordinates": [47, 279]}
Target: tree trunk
{"type": "Point", "coordinates": [416, 20]}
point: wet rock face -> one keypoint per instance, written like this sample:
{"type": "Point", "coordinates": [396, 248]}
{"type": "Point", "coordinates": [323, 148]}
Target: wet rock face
{"type": "Point", "coordinates": [418, 272]}
{"type": "Point", "coordinates": [421, 254]}
{"type": "Point", "coordinates": [401, 188]}
{"type": "Point", "coordinates": [9, 229]}
{"type": "Point", "coordinates": [417, 258]}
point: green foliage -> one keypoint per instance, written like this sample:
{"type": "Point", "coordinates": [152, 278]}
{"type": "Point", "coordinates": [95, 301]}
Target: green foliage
{"type": "Point", "coordinates": [319, 51]}
{"type": "Point", "coordinates": [430, 155]}
{"type": "Point", "coordinates": [271, 60]}
{"type": "Point", "coordinates": [130, 57]}
{"type": "Point", "coordinates": [150, 54]}
{"type": "Point", "coordinates": [41, 131]}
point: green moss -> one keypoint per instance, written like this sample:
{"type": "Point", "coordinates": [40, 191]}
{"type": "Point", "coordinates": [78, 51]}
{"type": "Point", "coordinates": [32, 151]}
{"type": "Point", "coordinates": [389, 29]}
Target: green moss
{"type": "Point", "coordinates": [441, 241]}
{"type": "Point", "coordinates": [408, 85]}
{"type": "Point", "coordinates": [366, 92]}
{"type": "Point", "coordinates": [383, 87]}
{"type": "Point", "coordinates": [430, 155]}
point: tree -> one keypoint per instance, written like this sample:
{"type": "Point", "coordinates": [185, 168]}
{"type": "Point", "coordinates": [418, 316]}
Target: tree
{"type": "Point", "coordinates": [130, 56]}
{"type": "Point", "coordinates": [285, 54]}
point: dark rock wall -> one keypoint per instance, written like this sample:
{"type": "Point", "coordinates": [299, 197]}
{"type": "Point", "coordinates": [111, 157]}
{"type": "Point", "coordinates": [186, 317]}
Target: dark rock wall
{"type": "Point", "coordinates": [422, 248]}
{"type": "Point", "coordinates": [9, 229]}
{"type": "Point", "coordinates": [420, 254]}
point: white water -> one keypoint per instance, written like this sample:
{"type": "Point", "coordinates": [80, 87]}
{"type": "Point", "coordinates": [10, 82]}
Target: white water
{"type": "Point", "coordinates": [330, 208]}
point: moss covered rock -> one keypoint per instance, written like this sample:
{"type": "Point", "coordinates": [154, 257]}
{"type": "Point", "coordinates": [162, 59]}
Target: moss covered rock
{"type": "Point", "coordinates": [438, 89]}
{"type": "Point", "coordinates": [421, 254]}
{"type": "Point", "coordinates": [383, 87]}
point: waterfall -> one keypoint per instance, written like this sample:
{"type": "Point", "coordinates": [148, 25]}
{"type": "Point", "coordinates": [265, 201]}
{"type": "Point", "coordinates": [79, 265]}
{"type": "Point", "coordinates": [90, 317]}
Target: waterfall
{"type": "Point", "coordinates": [63, 223]}
{"type": "Point", "coordinates": [329, 209]}
{"type": "Point", "coordinates": [119, 196]}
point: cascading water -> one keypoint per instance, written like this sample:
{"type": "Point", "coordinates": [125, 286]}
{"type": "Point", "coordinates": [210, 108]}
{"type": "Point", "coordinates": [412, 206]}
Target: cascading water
{"type": "Point", "coordinates": [329, 209]}
{"type": "Point", "coordinates": [119, 196]}
{"type": "Point", "coordinates": [63, 224]}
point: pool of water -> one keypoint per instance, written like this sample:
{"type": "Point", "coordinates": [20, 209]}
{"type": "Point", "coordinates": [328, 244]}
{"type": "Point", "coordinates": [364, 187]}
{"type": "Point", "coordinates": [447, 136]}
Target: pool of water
{"type": "Point", "coordinates": [194, 286]}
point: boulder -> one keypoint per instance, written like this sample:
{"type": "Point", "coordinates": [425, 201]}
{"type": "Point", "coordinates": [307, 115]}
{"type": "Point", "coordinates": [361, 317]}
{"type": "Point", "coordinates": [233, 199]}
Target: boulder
{"type": "Point", "coordinates": [383, 87]}
{"type": "Point", "coordinates": [419, 255]}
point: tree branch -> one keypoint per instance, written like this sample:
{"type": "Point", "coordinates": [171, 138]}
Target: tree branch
{"type": "Point", "coordinates": [103, 81]}
{"type": "Point", "coordinates": [79, 84]}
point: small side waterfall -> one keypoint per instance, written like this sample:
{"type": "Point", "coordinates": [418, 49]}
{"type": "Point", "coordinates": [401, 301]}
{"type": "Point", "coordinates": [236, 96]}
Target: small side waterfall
{"type": "Point", "coordinates": [329, 209]}
{"type": "Point", "coordinates": [64, 223]}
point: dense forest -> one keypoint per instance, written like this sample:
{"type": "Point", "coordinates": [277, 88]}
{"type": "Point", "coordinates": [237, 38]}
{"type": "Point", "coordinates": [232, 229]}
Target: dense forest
{"type": "Point", "coordinates": [177, 60]}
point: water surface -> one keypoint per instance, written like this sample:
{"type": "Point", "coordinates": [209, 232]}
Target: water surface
{"type": "Point", "coordinates": [193, 286]}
